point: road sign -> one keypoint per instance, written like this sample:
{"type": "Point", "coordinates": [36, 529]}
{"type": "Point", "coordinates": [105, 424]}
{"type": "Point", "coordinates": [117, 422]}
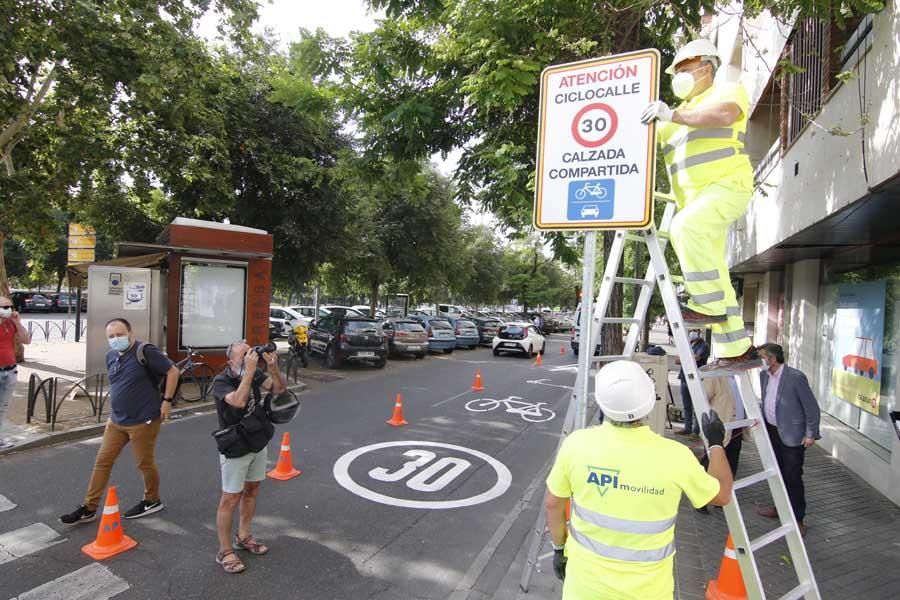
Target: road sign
{"type": "Point", "coordinates": [415, 470]}
{"type": "Point", "coordinates": [87, 242]}
{"type": "Point", "coordinates": [81, 229]}
{"type": "Point", "coordinates": [595, 160]}
{"type": "Point", "coordinates": [80, 255]}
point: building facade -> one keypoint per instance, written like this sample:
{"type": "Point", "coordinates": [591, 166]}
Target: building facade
{"type": "Point", "coordinates": [816, 259]}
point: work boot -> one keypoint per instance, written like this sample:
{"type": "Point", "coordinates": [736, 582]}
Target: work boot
{"type": "Point", "coordinates": [692, 316]}
{"type": "Point", "coordinates": [747, 360]}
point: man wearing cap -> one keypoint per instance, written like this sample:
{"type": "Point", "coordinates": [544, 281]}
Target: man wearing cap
{"type": "Point", "coordinates": [11, 331]}
{"type": "Point", "coordinates": [712, 179]}
{"type": "Point", "coordinates": [624, 483]}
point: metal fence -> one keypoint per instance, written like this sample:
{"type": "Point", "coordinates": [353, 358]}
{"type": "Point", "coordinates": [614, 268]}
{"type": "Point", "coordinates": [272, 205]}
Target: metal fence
{"type": "Point", "coordinates": [52, 392]}
{"type": "Point", "coordinates": [63, 330]}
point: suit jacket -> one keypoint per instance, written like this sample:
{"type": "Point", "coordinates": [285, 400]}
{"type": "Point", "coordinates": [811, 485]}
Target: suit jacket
{"type": "Point", "coordinates": [701, 355]}
{"type": "Point", "coordinates": [796, 410]}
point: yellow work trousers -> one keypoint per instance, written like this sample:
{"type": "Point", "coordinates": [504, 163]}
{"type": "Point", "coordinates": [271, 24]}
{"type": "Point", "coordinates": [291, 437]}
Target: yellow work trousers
{"type": "Point", "coordinates": [698, 236]}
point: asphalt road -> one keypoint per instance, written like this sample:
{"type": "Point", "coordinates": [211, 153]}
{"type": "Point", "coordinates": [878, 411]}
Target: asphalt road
{"type": "Point", "coordinates": [327, 542]}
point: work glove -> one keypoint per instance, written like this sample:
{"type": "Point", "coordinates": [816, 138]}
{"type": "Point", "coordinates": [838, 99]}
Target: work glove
{"type": "Point", "coordinates": [713, 428]}
{"type": "Point", "coordinates": [559, 564]}
{"type": "Point", "coordinates": [658, 110]}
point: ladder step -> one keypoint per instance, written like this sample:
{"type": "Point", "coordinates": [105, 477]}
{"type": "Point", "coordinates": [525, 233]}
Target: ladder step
{"type": "Point", "coordinates": [774, 535]}
{"type": "Point", "coordinates": [664, 197]}
{"type": "Point", "coordinates": [632, 280]}
{"type": "Point", "coordinates": [798, 592]}
{"type": "Point", "coordinates": [610, 358]}
{"type": "Point", "coordinates": [751, 479]}
{"type": "Point", "coordinates": [732, 425]}
{"type": "Point", "coordinates": [621, 320]}
{"type": "Point", "coordinates": [639, 237]}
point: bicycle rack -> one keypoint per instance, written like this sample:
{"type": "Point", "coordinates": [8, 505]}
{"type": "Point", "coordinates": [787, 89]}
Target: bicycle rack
{"type": "Point", "coordinates": [48, 389]}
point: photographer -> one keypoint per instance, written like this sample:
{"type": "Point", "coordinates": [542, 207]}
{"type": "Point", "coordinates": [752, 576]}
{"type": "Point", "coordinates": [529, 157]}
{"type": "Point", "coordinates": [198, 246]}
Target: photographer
{"type": "Point", "coordinates": [243, 439]}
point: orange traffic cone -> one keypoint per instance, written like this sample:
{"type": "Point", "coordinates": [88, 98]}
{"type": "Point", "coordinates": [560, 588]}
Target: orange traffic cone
{"type": "Point", "coordinates": [730, 584]}
{"type": "Point", "coordinates": [284, 470]}
{"type": "Point", "coordinates": [111, 538]}
{"type": "Point", "coordinates": [540, 361]}
{"type": "Point", "coordinates": [562, 349]}
{"type": "Point", "coordinates": [477, 387]}
{"type": "Point", "coordinates": [397, 419]}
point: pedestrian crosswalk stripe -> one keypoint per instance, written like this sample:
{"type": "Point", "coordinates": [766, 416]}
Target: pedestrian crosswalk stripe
{"type": "Point", "coordinates": [93, 582]}
{"type": "Point", "coordinates": [5, 503]}
{"type": "Point", "coordinates": [27, 540]}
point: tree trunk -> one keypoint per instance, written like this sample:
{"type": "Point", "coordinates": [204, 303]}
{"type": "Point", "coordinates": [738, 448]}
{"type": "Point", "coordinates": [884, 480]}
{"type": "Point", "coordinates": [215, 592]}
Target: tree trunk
{"type": "Point", "coordinates": [373, 302]}
{"type": "Point", "coordinates": [611, 335]}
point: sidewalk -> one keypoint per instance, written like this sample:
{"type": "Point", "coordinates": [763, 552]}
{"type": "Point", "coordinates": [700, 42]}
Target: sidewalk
{"type": "Point", "coordinates": [853, 540]}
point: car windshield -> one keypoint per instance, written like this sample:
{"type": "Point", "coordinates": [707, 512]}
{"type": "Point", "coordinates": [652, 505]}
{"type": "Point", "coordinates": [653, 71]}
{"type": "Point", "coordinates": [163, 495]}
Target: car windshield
{"type": "Point", "coordinates": [462, 323]}
{"type": "Point", "coordinates": [491, 322]}
{"type": "Point", "coordinates": [409, 326]}
{"type": "Point", "coordinates": [441, 325]}
{"type": "Point", "coordinates": [361, 326]}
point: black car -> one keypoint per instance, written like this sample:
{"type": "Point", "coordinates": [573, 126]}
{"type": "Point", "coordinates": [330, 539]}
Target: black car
{"type": "Point", "coordinates": [31, 302]}
{"type": "Point", "coordinates": [64, 301]}
{"type": "Point", "coordinates": [487, 329]}
{"type": "Point", "coordinates": [341, 338]}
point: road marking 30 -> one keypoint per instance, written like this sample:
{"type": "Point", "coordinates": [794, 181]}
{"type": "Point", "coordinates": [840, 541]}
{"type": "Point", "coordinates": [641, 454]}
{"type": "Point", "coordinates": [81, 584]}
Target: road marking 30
{"type": "Point", "coordinates": [93, 582]}
{"type": "Point", "coordinates": [27, 540]}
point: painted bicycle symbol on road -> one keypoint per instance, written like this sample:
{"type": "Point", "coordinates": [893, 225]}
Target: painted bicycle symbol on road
{"type": "Point", "coordinates": [533, 412]}
{"type": "Point", "coordinates": [596, 190]}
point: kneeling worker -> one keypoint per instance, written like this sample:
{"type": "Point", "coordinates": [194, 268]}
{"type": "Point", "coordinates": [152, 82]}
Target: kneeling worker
{"type": "Point", "coordinates": [625, 484]}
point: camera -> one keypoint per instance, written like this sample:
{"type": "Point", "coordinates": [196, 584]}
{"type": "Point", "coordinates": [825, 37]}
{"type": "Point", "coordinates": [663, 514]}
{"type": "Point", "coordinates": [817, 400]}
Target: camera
{"type": "Point", "coordinates": [270, 347]}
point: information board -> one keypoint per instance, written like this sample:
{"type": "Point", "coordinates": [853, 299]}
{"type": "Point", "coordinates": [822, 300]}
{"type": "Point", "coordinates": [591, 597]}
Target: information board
{"type": "Point", "coordinates": [595, 159]}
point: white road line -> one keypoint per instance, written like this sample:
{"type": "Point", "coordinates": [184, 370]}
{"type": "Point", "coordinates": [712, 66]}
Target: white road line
{"type": "Point", "coordinates": [6, 503]}
{"type": "Point", "coordinates": [451, 398]}
{"type": "Point", "coordinates": [27, 540]}
{"type": "Point", "coordinates": [93, 582]}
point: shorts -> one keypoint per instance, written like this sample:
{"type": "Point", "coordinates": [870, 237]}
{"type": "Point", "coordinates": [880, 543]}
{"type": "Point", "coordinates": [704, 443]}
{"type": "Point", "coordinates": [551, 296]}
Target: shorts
{"type": "Point", "coordinates": [237, 471]}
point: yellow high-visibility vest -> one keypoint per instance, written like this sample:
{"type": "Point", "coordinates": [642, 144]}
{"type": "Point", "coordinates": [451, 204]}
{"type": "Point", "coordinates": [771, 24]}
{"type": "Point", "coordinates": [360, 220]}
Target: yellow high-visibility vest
{"type": "Point", "coordinates": [624, 485]}
{"type": "Point", "coordinates": [696, 157]}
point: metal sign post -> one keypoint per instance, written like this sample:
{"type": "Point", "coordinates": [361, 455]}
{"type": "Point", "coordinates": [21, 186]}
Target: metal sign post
{"type": "Point", "coordinates": [586, 352]}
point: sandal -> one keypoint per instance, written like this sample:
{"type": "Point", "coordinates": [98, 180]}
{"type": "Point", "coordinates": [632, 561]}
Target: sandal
{"type": "Point", "coordinates": [250, 545]}
{"type": "Point", "coordinates": [233, 565]}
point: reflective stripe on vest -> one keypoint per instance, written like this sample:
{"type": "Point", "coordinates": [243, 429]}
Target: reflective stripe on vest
{"type": "Point", "coordinates": [622, 525]}
{"type": "Point", "coordinates": [703, 158]}
{"type": "Point", "coordinates": [619, 553]}
{"type": "Point", "coordinates": [707, 298]}
{"type": "Point", "coordinates": [731, 336]}
{"type": "Point", "coordinates": [714, 133]}
{"type": "Point", "coordinates": [702, 275]}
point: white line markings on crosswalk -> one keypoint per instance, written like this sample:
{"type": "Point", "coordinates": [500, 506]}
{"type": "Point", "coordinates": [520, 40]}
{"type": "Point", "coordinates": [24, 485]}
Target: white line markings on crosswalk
{"type": "Point", "coordinates": [6, 503]}
{"type": "Point", "coordinates": [27, 540]}
{"type": "Point", "coordinates": [93, 582]}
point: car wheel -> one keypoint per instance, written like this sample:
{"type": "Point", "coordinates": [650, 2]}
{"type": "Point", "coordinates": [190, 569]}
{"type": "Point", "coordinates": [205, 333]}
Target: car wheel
{"type": "Point", "coordinates": [379, 364]}
{"type": "Point", "coordinates": [543, 347]}
{"type": "Point", "coordinates": [448, 350]}
{"type": "Point", "coordinates": [420, 355]}
{"type": "Point", "coordinates": [496, 352]}
{"type": "Point", "coordinates": [530, 350]}
{"type": "Point", "coordinates": [331, 359]}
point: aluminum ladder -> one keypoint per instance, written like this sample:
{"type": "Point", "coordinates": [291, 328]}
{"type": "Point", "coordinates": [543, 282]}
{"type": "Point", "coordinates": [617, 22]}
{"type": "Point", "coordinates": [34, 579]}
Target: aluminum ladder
{"type": "Point", "coordinates": [658, 275]}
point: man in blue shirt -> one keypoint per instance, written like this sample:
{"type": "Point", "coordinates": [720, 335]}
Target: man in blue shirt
{"type": "Point", "coordinates": [136, 413]}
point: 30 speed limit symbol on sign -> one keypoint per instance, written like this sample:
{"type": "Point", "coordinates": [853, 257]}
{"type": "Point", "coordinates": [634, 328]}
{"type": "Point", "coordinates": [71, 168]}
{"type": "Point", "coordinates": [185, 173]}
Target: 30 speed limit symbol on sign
{"type": "Point", "coordinates": [595, 160]}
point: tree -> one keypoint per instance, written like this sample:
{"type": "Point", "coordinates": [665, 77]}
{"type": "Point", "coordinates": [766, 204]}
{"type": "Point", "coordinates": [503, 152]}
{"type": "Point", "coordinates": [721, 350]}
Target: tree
{"type": "Point", "coordinates": [483, 258]}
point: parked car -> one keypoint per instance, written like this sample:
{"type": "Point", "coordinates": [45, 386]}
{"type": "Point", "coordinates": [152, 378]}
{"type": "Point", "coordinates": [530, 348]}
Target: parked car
{"type": "Point", "coordinates": [450, 310]}
{"type": "Point", "coordinates": [576, 332]}
{"type": "Point", "coordinates": [63, 301]}
{"type": "Point", "coordinates": [276, 328]}
{"type": "Point", "coordinates": [440, 333]}
{"type": "Point", "coordinates": [487, 328]}
{"type": "Point", "coordinates": [335, 309]}
{"type": "Point", "coordinates": [289, 314]}
{"type": "Point", "coordinates": [405, 336]}
{"type": "Point", "coordinates": [31, 302]}
{"type": "Point", "coordinates": [365, 310]}
{"type": "Point", "coordinates": [279, 323]}
{"type": "Point", "coordinates": [340, 338]}
{"type": "Point", "coordinates": [466, 332]}
{"type": "Point", "coordinates": [519, 336]}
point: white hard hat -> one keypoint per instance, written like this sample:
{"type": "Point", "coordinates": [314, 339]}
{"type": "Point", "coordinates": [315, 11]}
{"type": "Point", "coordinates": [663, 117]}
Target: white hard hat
{"type": "Point", "coordinates": [624, 392]}
{"type": "Point", "coordinates": [701, 47]}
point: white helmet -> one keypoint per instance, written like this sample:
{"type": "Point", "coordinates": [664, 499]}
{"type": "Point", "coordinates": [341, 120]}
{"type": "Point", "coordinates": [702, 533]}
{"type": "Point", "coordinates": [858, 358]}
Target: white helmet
{"type": "Point", "coordinates": [701, 47]}
{"type": "Point", "coordinates": [624, 392]}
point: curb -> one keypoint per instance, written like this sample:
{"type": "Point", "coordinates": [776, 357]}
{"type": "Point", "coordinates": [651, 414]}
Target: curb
{"type": "Point", "coordinates": [93, 430]}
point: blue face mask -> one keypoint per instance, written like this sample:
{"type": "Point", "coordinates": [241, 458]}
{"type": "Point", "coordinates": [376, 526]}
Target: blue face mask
{"type": "Point", "coordinates": [119, 343]}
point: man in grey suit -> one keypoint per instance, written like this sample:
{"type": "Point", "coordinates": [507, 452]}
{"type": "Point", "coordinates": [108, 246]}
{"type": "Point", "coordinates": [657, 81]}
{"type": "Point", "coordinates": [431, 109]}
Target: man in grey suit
{"type": "Point", "coordinates": [792, 420]}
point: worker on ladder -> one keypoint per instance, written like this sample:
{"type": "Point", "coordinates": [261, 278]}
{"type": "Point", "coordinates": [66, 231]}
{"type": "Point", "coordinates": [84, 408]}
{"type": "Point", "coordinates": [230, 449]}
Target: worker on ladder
{"type": "Point", "coordinates": [624, 483]}
{"type": "Point", "coordinates": [712, 180]}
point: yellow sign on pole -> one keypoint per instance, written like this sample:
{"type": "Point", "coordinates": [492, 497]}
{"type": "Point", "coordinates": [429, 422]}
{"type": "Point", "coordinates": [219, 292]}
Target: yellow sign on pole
{"type": "Point", "coordinates": [80, 229]}
{"type": "Point", "coordinates": [81, 255]}
{"type": "Point", "coordinates": [87, 242]}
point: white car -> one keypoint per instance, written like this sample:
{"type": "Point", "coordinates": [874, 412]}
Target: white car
{"type": "Point", "coordinates": [290, 315]}
{"type": "Point", "coordinates": [308, 312]}
{"type": "Point", "coordinates": [364, 309]}
{"type": "Point", "coordinates": [520, 337]}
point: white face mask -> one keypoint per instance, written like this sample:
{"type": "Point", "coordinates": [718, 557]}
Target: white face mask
{"type": "Point", "coordinates": [694, 336]}
{"type": "Point", "coordinates": [5, 313]}
{"type": "Point", "coordinates": [683, 83]}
